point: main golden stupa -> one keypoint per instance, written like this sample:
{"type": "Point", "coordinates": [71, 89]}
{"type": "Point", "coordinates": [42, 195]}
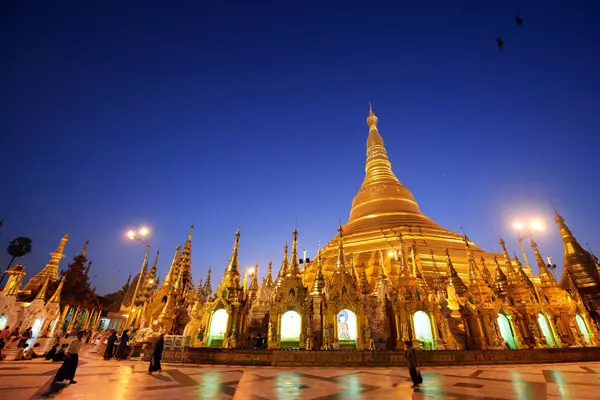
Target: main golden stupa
{"type": "Point", "coordinates": [386, 217]}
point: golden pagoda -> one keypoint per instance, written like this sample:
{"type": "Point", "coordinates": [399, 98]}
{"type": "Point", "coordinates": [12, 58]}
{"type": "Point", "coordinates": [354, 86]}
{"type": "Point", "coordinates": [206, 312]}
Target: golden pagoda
{"type": "Point", "coordinates": [50, 271]}
{"type": "Point", "coordinates": [386, 217]}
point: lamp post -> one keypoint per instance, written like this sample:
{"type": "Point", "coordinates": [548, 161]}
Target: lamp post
{"type": "Point", "coordinates": [535, 226]}
{"type": "Point", "coordinates": [140, 237]}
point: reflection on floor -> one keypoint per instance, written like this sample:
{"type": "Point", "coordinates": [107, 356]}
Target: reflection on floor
{"type": "Point", "coordinates": [106, 380]}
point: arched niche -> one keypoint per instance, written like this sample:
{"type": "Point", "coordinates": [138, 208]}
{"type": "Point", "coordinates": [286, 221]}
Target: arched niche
{"type": "Point", "coordinates": [291, 326]}
{"type": "Point", "coordinates": [347, 328]}
{"type": "Point", "coordinates": [423, 332]}
{"type": "Point", "coordinates": [583, 328]}
{"type": "Point", "coordinates": [507, 332]}
{"type": "Point", "coordinates": [218, 327]}
{"type": "Point", "coordinates": [546, 330]}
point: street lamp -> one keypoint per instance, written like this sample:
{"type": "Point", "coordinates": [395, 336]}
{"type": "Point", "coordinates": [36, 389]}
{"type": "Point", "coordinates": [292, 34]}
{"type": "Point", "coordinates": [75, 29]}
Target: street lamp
{"type": "Point", "coordinates": [139, 236]}
{"type": "Point", "coordinates": [534, 226]}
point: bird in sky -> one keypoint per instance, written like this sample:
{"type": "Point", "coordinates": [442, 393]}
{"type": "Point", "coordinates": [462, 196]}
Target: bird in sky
{"type": "Point", "coordinates": [518, 20]}
{"type": "Point", "coordinates": [500, 43]}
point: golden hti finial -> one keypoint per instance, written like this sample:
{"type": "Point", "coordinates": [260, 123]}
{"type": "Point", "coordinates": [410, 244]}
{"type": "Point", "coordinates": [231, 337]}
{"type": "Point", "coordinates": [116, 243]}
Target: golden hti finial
{"type": "Point", "coordinates": [546, 277]}
{"type": "Point", "coordinates": [294, 269]}
{"type": "Point", "coordinates": [319, 281]}
{"type": "Point", "coordinates": [233, 268]}
{"type": "Point", "coordinates": [372, 119]}
{"type": "Point", "coordinates": [341, 263]}
{"type": "Point", "coordinates": [269, 280]}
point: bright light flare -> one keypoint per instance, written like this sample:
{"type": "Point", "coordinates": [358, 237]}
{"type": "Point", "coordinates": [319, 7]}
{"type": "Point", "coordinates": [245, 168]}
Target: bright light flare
{"type": "Point", "coordinates": [391, 253]}
{"type": "Point", "coordinates": [151, 281]}
{"type": "Point", "coordinates": [144, 231]}
{"type": "Point", "coordinates": [251, 271]}
{"type": "Point", "coordinates": [537, 225]}
{"type": "Point", "coordinates": [131, 235]}
{"type": "Point", "coordinates": [518, 225]}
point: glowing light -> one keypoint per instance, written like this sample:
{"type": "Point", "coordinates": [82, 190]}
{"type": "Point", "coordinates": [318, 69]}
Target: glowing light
{"type": "Point", "coordinates": [251, 271]}
{"type": "Point", "coordinates": [518, 226]}
{"type": "Point", "coordinates": [391, 253]}
{"type": "Point", "coordinates": [131, 235]}
{"type": "Point", "coordinates": [536, 225]}
{"type": "Point", "coordinates": [151, 281]}
{"type": "Point", "coordinates": [144, 231]}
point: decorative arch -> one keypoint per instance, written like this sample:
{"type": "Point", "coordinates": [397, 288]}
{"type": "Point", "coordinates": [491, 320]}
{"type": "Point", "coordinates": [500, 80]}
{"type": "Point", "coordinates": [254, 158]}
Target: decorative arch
{"type": "Point", "coordinates": [218, 327]}
{"type": "Point", "coordinates": [291, 327]}
{"type": "Point", "coordinates": [546, 330]}
{"type": "Point", "coordinates": [423, 332]}
{"type": "Point", "coordinates": [507, 332]}
{"type": "Point", "coordinates": [583, 328]}
{"type": "Point", "coordinates": [3, 321]}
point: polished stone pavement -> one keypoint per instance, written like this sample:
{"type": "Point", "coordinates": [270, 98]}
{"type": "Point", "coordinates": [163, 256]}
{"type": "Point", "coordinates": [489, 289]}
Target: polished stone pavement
{"type": "Point", "coordinates": [113, 380]}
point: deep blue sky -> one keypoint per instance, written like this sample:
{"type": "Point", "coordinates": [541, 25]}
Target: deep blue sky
{"type": "Point", "coordinates": [252, 114]}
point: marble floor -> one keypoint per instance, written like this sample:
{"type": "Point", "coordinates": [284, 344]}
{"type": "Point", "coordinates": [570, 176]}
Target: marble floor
{"type": "Point", "coordinates": [113, 380]}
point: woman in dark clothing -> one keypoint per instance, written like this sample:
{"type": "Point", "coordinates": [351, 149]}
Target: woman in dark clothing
{"type": "Point", "coordinates": [157, 355]}
{"type": "Point", "coordinates": [413, 364]}
{"type": "Point", "coordinates": [110, 346]}
{"type": "Point", "coordinates": [52, 352]}
{"type": "Point", "coordinates": [122, 349]}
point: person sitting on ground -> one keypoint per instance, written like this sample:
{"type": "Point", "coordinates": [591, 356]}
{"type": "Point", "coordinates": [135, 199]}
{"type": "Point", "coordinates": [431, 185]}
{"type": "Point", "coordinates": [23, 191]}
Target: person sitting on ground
{"type": "Point", "coordinates": [52, 352]}
{"type": "Point", "coordinates": [5, 333]}
{"type": "Point", "coordinates": [2, 344]}
{"type": "Point", "coordinates": [30, 352]}
{"type": "Point", "coordinates": [21, 354]}
{"type": "Point", "coordinates": [60, 353]}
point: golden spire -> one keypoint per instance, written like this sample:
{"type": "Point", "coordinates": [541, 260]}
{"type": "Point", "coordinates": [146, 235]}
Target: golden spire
{"type": "Point", "coordinates": [152, 274]}
{"type": "Point", "coordinates": [364, 281]}
{"type": "Point", "coordinates": [294, 264]}
{"type": "Point", "coordinates": [269, 280]}
{"type": "Point", "coordinates": [577, 261]}
{"type": "Point", "coordinates": [524, 278]}
{"type": "Point", "coordinates": [381, 193]}
{"type": "Point", "coordinates": [42, 293]}
{"type": "Point", "coordinates": [319, 282]}
{"type": "Point", "coordinates": [475, 277]}
{"type": "Point", "coordinates": [56, 296]}
{"type": "Point", "coordinates": [436, 276]}
{"type": "Point", "coordinates": [14, 288]}
{"type": "Point", "coordinates": [172, 274]}
{"type": "Point", "coordinates": [341, 264]}
{"type": "Point", "coordinates": [514, 277]}
{"type": "Point", "coordinates": [546, 277]}
{"type": "Point", "coordinates": [353, 268]}
{"type": "Point", "coordinates": [207, 284]}
{"type": "Point", "coordinates": [487, 275]}
{"type": "Point", "coordinates": [84, 250]}
{"type": "Point", "coordinates": [253, 283]}
{"type": "Point", "coordinates": [51, 269]}
{"type": "Point", "coordinates": [500, 280]}
{"type": "Point", "coordinates": [453, 277]}
{"type": "Point", "coordinates": [283, 270]}
{"type": "Point", "coordinates": [233, 268]}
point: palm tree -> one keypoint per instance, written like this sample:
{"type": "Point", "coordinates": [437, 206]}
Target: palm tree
{"type": "Point", "coordinates": [18, 247]}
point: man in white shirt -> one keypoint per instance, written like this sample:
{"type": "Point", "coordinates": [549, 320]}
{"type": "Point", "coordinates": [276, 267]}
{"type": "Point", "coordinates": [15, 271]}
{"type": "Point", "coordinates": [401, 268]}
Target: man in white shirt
{"type": "Point", "coordinates": [69, 366]}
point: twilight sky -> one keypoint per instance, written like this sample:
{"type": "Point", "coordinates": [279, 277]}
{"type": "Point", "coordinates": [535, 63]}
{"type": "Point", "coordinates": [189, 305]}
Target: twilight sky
{"type": "Point", "coordinates": [252, 114]}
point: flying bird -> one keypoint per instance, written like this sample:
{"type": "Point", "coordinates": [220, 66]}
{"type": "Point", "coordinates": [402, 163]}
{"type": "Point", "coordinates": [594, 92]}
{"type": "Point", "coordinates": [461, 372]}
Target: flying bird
{"type": "Point", "coordinates": [518, 20]}
{"type": "Point", "coordinates": [500, 43]}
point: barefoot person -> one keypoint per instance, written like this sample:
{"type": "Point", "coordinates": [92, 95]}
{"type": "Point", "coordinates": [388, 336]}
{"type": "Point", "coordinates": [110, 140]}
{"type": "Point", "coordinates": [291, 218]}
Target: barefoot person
{"type": "Point", "coordinates": [413, 364]}
{"type": "Point", "coordinates": [69, 366]}
{"type": "Point", "coordinates": [157, 355]}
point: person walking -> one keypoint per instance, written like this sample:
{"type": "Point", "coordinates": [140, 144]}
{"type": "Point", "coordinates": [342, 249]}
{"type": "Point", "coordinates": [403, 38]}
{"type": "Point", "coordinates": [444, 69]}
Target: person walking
{"type": "Point", "coordinates": [110, 345]}
{"type": "Point", "coordinates": [69, 367]}
{"type": "Point", "coordinates": [413, 364]}
{"type": "Point", "coordinates": [157, 355]}
{"type": "Point", "coordinates": [122, 348]}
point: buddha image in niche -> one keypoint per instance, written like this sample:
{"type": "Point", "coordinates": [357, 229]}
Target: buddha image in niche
{"type": "Point", "coordinates": [343, 330]}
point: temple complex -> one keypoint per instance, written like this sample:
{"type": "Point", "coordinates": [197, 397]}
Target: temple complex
{"type": "Point", "coordinates": [392, 274]}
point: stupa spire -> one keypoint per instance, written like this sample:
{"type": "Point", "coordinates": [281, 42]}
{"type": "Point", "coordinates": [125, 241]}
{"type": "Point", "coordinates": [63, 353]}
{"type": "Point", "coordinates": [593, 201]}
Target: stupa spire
{"type": "Point", "coordinates": [294, 269]}
{"type": "Point", "coordinates": [436, 276]}
{"type": "Point", "coordinates": [514, 277]}
{"type": "Point", "coordinates": [500, 280]}
{"type": "Point", "coordinates": [577, 261]}
{"type": "Point", "coordinates": [50, 271]}
{"type": "Point", "coordinates": [152, 274]}
{"type": "Point", "coordinates": [245, 280]}
{"type": "Point", "coordinates": [207, 284]}
{"type": "Point", "coordinates": [381, 193]}
{"type": "Point", "coordinates": [233, 267]}
{"type": "Point", "coordinates": [487, 275]}
{"type": "Point", "coordinates": [453, 277]}
{"type": "Point", "coordinates": [172, 274]}
{"type": "Point", "coordinates": [319, 282]}
{"type": "Point", "coordinates": [546, 277]}
{"type": "Point", "coordinates": [269, 280]}
{"type": "Point", "coordinates": [340, 265]}
{"type": "Point", "coordinates": [56, 296]}
{"type": "Point", "coordinates": [524, 278]}
{"type": "Point", "coordinates": [42, 293]}
{"type": "Point", "coordinates": [253, 289]}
